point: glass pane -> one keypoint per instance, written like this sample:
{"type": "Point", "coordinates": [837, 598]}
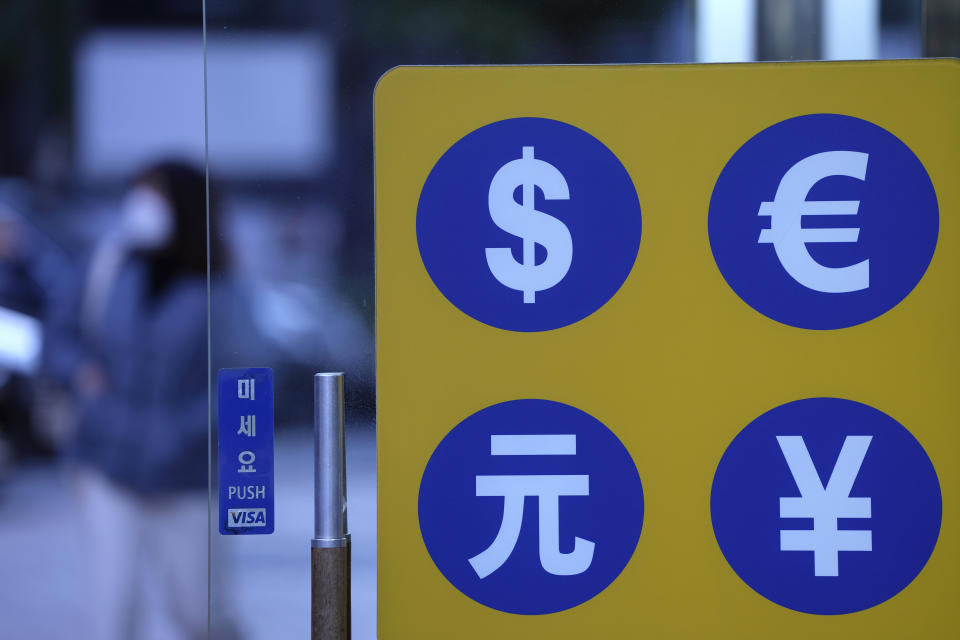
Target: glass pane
{"type": "Point", "coordinates": [103, 323]}
{"type": "Point", "coordinates": [94, 96]}
{"type": "Point", "coordinates": [291, 289]}
{"type": "Point", "coordinates": [289, 128]}
{"type": "Point", "coordinates": [95, 93]}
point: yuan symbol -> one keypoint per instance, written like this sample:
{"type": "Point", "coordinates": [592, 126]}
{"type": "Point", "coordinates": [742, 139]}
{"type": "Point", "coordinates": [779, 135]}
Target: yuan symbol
{"type": "Point", "coordinates": [547, 489]}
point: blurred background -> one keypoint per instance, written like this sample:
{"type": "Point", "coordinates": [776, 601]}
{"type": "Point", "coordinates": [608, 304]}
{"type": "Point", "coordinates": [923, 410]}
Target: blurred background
{"type": "Point", "coordinates": [105, 136]}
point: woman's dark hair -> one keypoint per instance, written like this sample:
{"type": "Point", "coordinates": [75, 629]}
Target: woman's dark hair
{"type": "Point", "coordinates": [184, 186]}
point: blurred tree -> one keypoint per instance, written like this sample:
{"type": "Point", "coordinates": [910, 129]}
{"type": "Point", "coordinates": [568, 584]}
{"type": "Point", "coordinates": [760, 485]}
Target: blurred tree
{"type": "Point", "coordinates": [941, 28]}
{"type": "Point", "coordinates": [496, 31]}
{"type": "Point", "coordinates": [154, 13]}
{"type": "Point", "coordinates": [35, 88]}
{"type": "Point", "coordinates": [385, 33]}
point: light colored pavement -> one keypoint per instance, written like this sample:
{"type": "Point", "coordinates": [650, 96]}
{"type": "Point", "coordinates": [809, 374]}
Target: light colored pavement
{"type": "Point", "coordinates": [39, 558]}
{"type": "Point", "coordinates": [265, 584]}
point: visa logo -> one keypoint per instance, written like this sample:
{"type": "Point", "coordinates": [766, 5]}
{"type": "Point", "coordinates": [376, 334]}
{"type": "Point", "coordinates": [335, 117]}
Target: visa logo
{"type": "Point", "coordinates": [237, 518]}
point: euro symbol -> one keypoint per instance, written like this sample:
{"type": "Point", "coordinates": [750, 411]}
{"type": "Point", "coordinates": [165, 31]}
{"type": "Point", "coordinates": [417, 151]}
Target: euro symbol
{"type": "Point", "coordinates": [789, 238]}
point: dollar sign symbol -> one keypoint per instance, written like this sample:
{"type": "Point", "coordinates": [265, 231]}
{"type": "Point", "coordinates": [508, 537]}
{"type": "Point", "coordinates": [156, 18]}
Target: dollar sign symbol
{"type": "Point", "coordinates": [534, 227]}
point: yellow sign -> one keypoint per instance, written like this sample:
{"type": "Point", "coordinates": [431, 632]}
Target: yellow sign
{"type": "Point", "coordinates": [669, 351]}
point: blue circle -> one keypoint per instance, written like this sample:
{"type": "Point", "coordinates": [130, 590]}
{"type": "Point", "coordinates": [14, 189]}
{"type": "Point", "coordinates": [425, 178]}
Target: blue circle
{"type": "Point", "coordinates": [458, 525]}
{"type": "Point", "coordinates": [895, 474]}
{"type": "Point", "coordinates": [455, 225]}
{"type": "Point", "coordinates": [897, 219]}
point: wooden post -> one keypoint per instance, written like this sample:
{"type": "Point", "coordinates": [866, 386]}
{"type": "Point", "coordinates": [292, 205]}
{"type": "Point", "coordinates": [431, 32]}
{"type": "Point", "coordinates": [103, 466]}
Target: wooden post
{"type": "Point", "coordinates": [330, 593]}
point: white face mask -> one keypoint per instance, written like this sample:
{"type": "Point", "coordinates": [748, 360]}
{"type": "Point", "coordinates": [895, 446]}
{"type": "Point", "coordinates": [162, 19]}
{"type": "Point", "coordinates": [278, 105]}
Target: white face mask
{"type": "Point", "coordinates": [146, 219]}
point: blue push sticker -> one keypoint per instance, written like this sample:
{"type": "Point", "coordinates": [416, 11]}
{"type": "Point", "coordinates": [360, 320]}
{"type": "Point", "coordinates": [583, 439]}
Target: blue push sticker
{"type": "Point", "coordinates": [528, 224]}
{"type": "Point", "coordinates": [823, 221]}
{"type": "Point", "coordinates": [245, 450]}
{"type": "Point", "coordinates": [531, 507]}
{"type": "Point", "coordinates": [826, 506]}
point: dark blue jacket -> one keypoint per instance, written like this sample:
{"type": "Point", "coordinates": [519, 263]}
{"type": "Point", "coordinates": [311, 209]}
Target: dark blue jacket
{"type": "Point", "coordinates": [148, 431]}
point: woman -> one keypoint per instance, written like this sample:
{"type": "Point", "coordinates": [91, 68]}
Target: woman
{"type": "Point", "coordinates": [138, 365]}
